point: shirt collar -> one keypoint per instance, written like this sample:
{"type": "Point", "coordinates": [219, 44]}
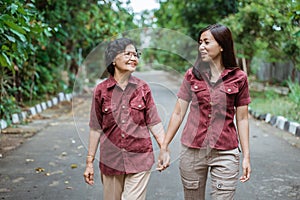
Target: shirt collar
{"type": "Point", "coordinates": [224, 73]}
{"type": "Point", "coordinates": [112, 81]}
{"type": "Point", "coordinates": [227, 71]}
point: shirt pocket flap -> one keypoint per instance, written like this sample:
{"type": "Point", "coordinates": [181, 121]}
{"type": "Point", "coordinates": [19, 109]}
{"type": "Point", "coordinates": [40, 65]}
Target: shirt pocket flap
{"type": "Point", "coordinates": [230, 89]}
{"type": "Point", "coordinates": [225, 185]}
{"type": "Point", "coordinates": [138, 104]}
{"type": "Point", "coordinates": [197, 88]}
{"type": "Point", "coordinates": [108, 108]}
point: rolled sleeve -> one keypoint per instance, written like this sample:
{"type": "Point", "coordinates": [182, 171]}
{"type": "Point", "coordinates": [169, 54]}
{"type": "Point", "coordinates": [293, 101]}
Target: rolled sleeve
{"type": "Point", "coordinates": [243, 97]}
{"type": "Point", "coordinates": [152, 118]}
{"type": "Point", "coordinates": [184, 90]}
{"type": "Point", "coordinates": [95, 112]}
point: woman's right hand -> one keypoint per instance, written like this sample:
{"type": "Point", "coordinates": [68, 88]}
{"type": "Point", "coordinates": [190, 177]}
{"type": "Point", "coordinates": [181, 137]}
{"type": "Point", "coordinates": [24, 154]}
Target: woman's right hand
{"type": "Point", "coordinates": [89, 174]}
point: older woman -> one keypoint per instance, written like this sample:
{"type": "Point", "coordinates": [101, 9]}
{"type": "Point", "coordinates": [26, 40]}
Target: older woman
{"type": "Point", "coordinates": [122, 113]}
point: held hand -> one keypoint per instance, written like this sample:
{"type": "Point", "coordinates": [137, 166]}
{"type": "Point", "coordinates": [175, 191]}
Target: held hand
{"type": "Point", "coordinates": [89, 174]}
{"type": "Point", "coordinates": [163, 159]}
{"type": "Point", "coordinates": [246, 170]}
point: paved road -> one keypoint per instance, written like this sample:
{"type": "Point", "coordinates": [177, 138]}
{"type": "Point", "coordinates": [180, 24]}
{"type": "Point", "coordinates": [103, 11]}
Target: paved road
{"type": "Point", "coordinates": [50, 164]}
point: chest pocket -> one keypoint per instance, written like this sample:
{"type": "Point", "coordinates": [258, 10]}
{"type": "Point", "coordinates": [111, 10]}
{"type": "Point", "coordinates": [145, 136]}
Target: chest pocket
{"type": "Point", "coordinates": [200, 93]}
{"type": "Point", "coordinates": [231, 91]}
{"type": "Point", "coordinates": [137, 111]}
{"type": "Point", "coordinates": [108, 115]}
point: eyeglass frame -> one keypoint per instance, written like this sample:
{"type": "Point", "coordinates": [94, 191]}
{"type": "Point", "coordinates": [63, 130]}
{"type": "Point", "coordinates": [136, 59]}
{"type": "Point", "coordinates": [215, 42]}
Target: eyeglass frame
{"type": "Point", "coordinates": [129, 54]}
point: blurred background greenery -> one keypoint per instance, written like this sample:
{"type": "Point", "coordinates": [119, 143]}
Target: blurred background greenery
{"type": "Point", "coordinates": [43, 43]}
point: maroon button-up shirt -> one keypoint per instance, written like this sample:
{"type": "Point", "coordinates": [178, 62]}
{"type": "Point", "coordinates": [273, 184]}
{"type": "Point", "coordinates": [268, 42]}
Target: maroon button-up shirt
{"type": "Point", "coordinates": [210, 121]}
{"type": "Point", "coordinates": [124, 117]}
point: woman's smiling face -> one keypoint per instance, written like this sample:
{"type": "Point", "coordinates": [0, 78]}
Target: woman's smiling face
{"type": "Point", "coordinates": [127, 60]}
{"type": "Point", "coordinates": [209, 48]}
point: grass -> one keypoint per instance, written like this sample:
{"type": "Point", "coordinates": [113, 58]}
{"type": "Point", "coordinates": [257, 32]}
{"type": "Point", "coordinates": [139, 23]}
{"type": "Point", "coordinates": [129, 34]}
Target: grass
{"type": "Point", "coordinates": [275, 104]}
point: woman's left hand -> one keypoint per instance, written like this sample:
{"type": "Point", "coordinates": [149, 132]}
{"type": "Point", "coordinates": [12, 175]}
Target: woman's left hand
{"type": "Point", "coordinates": [246, 170]}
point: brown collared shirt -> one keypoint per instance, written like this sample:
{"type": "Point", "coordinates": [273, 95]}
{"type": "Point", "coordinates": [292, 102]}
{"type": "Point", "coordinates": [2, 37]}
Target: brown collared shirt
{"type": "Point", "coordinates": [124, 116]}
{"type": "Point", "coordinates": [210, 122]}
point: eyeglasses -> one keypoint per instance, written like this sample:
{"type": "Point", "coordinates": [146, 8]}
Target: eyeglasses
{"type": "Point", "coordinates": [129, 54]}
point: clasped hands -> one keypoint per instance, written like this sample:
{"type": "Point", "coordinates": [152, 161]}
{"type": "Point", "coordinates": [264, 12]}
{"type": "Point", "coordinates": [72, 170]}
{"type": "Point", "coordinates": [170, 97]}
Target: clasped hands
{"type": "Point", "coordinates": [163, 159]}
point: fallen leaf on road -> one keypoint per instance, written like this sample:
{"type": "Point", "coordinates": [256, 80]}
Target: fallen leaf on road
{"type": "Point", "coordinates": [47, 174]}
{"type": "Point", "coordinates": [57, 172]}
{"type": "Point", "coordinates": [4, 190]}
{"type": "Point", "coordinates": [39, 170]}
{"type": "Point", "coordinates": [73, 166]}
{"type": "Point", "coordinates": [17, 180]}
{"type": "Point", "coordinates": [64, 153]}
{"type": "Point", "coordinates": [54, 183]}
{"type": "Point", "coordinates": [29, 160]}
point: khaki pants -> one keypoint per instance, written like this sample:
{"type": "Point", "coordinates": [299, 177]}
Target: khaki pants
{"type": "Point", "coordinates": [222, 165]}
{"type": "Point", "coordinates": [125, 187]}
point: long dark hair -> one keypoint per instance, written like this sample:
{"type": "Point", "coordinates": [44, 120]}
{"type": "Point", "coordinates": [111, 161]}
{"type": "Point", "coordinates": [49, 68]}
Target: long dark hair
{"type": "Point", "coordinates": [113, 49]}
{"type": "Point", "coordinates": [223, 36]}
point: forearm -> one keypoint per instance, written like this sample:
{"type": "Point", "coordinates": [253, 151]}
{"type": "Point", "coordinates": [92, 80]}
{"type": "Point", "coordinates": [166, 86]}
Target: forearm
{"type": "Point", "coordinates": [158, 133]}
{"type": "Point", "coordinates": [243, 130]}
{"type": "Point", "coordinates": [94, 138]}
{"type": "Point", "coordinates": [174, 124]}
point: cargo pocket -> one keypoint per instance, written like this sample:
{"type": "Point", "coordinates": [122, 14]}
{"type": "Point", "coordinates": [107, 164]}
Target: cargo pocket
{"type": "Point", "coordinates": [225, 185]}
{"type": "Point", "coordinates": [190, 184]}
{"type": "Point", "coordinates": [223, 190]}
{"type": "Point", "coordinates": [189, 180]}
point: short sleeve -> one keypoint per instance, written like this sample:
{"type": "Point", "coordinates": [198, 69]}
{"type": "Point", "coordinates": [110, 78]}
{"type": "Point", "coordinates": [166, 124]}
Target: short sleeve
{"type": "Point", "coordinates": [95, 112]}
{"type": "Point", "coordinates": [243, 97]}
{"type": "Point", "coordinates": [151, 116]}
{"type": "Point", "coordinates": [184, 90]}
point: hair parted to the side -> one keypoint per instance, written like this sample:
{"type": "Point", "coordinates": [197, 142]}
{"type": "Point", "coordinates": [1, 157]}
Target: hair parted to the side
{"type": "Point", "coordinates": [223, 36]}
{"type": "Point", "coordinates": [113, 49]}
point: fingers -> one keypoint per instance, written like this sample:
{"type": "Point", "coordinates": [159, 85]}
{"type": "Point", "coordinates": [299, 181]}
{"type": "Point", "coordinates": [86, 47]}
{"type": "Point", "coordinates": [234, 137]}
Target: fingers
{"type": "Point", "coordinates": [246, 175]}
{"type": "Point", "coordinates": [163, 160]}
{"type": "Point", "coordinates": [89, 178]}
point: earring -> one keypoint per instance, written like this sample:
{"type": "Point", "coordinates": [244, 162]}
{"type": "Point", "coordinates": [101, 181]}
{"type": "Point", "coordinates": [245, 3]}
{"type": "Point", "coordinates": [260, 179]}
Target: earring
{"type": "Point", "coordinates": [114, 63]}
{"type": "Point", "coordinates": [221, 50]}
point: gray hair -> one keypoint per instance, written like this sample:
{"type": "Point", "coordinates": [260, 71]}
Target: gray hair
{"type": "Point", "coordinates": [113, 49]}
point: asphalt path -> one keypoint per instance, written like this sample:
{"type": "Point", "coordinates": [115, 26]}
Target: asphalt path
{"type": "Point", "coordinates": [50, 165]}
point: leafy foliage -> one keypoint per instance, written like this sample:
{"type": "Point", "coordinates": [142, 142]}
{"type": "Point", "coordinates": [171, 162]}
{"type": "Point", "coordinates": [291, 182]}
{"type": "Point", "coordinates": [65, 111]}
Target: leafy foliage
{"type": "Point", "coordinates": [266, 28]}
{"type": "Point", "coordinates": [188, 17]}
{"type": "Point", "coordinates": [40, 40]}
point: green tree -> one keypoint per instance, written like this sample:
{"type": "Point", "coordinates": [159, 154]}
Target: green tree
{"type": "Point", "coordinates": [41, 39]}
{"type": "Point", "coordinates": [23, 34]}
{"type": "Point", "coordinates": [264, 28]}
{"type": "Point", "coordinates": [188, 17]}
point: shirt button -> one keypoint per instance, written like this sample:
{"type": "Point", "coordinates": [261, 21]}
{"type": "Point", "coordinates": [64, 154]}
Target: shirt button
{"type": "Point", "coordinates": [229, 90]}
{"type": "Point", "coordinates": [219, 185]}
{"type": "Point", "coordinates": [209, 115]}
{"type": "Point", "coordinates": [106, 109]}
{"type": "Point", "coordinates": [123, 107]}
{"type": "Point", "coordinates": [123, 149]}
{"type": "Point", "coordinates": [196, 87]}
{"type": "Point", "coordinates": [139, 105]}
{"type": "Point", "coordinates": [123, 121]}
{"type": "Point", "coordinates": [211, 103]}
{"type": "Point", "coordinates": [122, 135]}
